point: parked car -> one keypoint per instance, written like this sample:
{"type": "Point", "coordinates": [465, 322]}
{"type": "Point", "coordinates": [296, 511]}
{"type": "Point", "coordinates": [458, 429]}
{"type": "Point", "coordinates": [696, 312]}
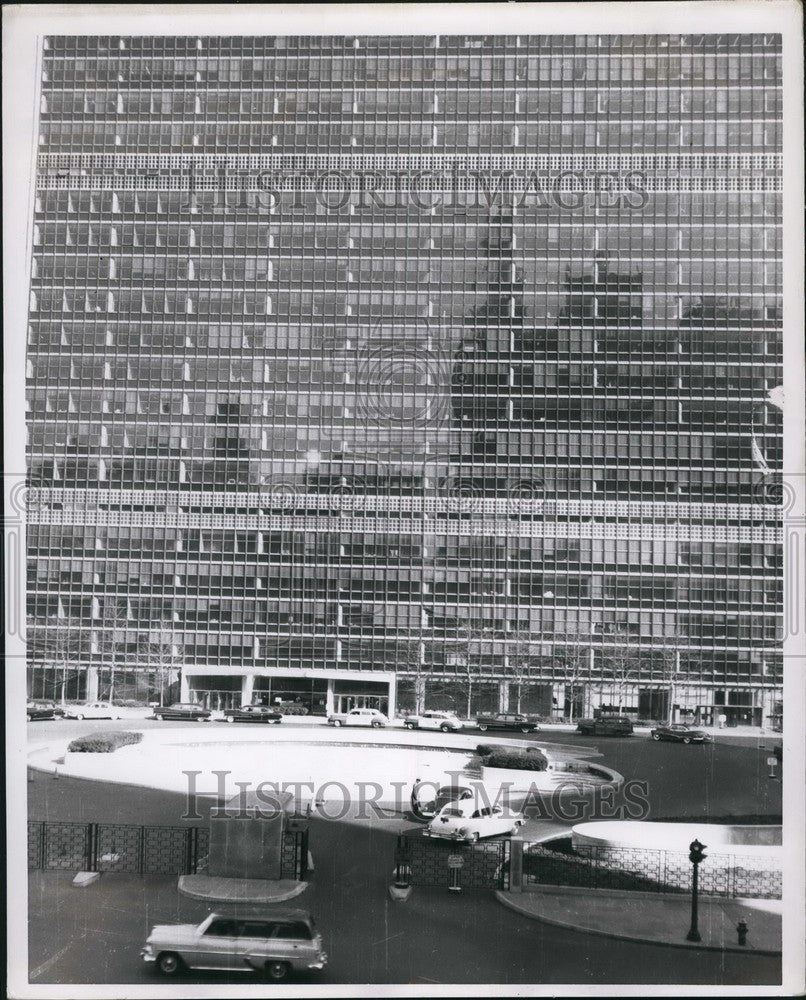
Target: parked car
{"type": "Point", "coordinates": [606, 725]}
{"type": "Point", "coordinates": [183, 710]}
{"type": "Point", "coordinates": [426, 807]}
{"type": "Point", "coordinates": [43, 710]}
{"type": "Point", "coordinates": [358, 717]}
{"type": "Point", "coordinates": [446, 722]}
{"type": "Point", "coordinates": [252, 713]}
{"type": "Point", "coordinates": [93, 710]}
{"type": "Point", "coordinates": [507, 720]}
{"type": "Point", "coordinates": [276, 943]}
{"type": "Point", "coordinates": [462, 821]}
{"type": "Point", "coordinates": [679, 733]}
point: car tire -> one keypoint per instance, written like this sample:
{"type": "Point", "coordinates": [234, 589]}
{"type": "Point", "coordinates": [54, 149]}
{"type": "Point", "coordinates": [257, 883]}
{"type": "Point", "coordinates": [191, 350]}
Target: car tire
{"type": "Point", "coordinates": [445, 728]}
{"type": "Point", "coordinates": [169, 963]}
{"type": "Point", "coordinates": [483, 729]}
{"type": "Point", "coordinates": [526, 729]}
{"type": "Point", "coordinates": [410, 725]}
{"type": "Point", "coordinates": [687, 739]}
{"type": "Point", "coordinates": [277, 972]}
{"type": "Point", "coordinates": [376, 724]}
{"type": "Point", "coordinates": [337, 722]}
{"type": "Point", "coordinates": [158, 716]}
{"type": "Point", "coordinates": [80, 717]}
{"type": "Point", "coordinates": [656, 736]}
{"type": "Point", "coordinates": [230, 718]}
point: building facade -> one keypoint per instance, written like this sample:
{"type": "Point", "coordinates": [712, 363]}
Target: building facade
{"type": "Point", "coordinates": [429, 371]}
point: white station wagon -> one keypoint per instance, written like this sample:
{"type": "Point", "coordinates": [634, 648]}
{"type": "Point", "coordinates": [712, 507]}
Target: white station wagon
{"type": "Point", "coordinates": [462, 821]}
{"type": "Point", "coordinates": [93, 710]}
{"type": "Point", "coordinates": [446, 722]}
{"type": "Point", "coordinates": [278, 944]}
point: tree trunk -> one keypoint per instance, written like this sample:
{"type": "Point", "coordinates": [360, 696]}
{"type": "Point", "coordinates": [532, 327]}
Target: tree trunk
{"type": "Point", "coordinates": [469, 696]}
{"type": "Point", "coordinates": [670, 710]}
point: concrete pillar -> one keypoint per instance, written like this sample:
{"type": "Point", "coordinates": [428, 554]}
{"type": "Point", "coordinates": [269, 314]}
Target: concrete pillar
{"type": "Point", "coordinates": [247, 688]}
{"type": "Point", "coordinates": [92, 684]}
{"type": "Point", "coordinates": [503, 696]}
{"type": "Point", "coordinates": [392, 697]}
{"type": "Point", "coordinates": [330, 700]}
{"type": "Point", "coordinates": [419, 695]}
{"type": "Point", "coordinates": [184, 687]}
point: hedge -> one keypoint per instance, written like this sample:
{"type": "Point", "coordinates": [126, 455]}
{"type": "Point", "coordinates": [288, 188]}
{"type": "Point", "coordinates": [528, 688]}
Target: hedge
{"type": "Point", "coordinates": [519, 761]}
{"type": "Point", "coordinates": [103, 742]}
{"type": "Point", "coordinates": [485, 749]}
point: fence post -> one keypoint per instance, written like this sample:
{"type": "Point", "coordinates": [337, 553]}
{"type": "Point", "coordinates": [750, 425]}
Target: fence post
{"type": "Point", "coordinates": [141, 853]}
{"type": "Point", "coordinates": [43, 843]}
{"type": "Point", "coordinates": [92, 847]}
{"type": "Point", "coordinates": [515, 864]}
{"type": "Point", "coordinates": [190, 853]}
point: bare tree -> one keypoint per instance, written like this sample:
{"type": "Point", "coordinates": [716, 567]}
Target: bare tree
{"type": "Point", "coordinates": [621, 665]}
{"type": "Point", "coordinates": [666, 662]}
{"type": "Point", "coordinates": [60, 646]}
{"type": "Point", "coordinates": [573, 658]}
{"type": "Point", "coordinates": [115, 619]}
{"type": "Point", "coordinates": [409, 658]}
{"type": "Point", "coordinates": [523, 651]}
{"type": "Point", "coordinates": [166, 657]}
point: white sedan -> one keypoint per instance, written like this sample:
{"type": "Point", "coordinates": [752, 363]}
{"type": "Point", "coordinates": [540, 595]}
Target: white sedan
{"type": "Point", "coordinates": [462, 821]}
{"type": "Point", "coordinates": [93, 710]}
{"type": "Point", "coordinates": [447, 722]}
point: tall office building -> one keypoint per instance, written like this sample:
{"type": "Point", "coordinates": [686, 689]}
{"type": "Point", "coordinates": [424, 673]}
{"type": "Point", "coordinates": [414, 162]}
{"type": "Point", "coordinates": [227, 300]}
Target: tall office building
{"type": "Point", "coordinates": [401, 371]}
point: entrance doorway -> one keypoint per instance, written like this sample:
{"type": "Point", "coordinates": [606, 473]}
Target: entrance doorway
{"type": "Point", "coordinates": [346, 702]}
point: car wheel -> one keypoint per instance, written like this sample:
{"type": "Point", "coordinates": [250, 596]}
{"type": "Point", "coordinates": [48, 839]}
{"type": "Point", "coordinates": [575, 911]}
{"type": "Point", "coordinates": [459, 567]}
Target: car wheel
{"type": "Point", "coordinates": [169, 963]}
{"type": "Point", "coordinates": [158, 716]}
{"type": "Point", "coordinates": [277, 971]}
{"type": "Point", "coordinates": [483, 728]}
{"type": "Point", "coordinates": [80, 717]}
{"type": "Point", "coordinates": [376, 724]}
{"type": "Point", "coordinates": [337, 722]}
{"type": "Point", "coordinates": [445, 728]}
{"type": "Point", "coordinates": [656, 736]}
{"type": "Point", "coordinates": [687, 739]}
{"type": "Point", "coordinates": [526, 729]}
{"type": "Point", "coordinates": [230, 718]}
{"type": "Point", "coordinates": [409, 725]}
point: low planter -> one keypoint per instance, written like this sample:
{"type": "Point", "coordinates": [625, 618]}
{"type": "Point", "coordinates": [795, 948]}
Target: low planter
{"type": "Point", "coordinates": [103, 742]}
{"type": "Point", "coordinates": [517, 779]}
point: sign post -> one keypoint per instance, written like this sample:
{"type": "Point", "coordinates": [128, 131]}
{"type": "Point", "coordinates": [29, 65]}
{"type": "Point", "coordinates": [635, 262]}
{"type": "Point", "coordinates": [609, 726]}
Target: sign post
{"type": "Point", "coordinates": [455, 864]}
{"type": "Point", "coordinates": [772, 762]}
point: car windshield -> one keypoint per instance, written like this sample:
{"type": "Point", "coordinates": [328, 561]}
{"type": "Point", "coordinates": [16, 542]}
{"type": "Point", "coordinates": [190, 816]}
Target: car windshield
{"type": "Point", "coordinates": [452, 812]}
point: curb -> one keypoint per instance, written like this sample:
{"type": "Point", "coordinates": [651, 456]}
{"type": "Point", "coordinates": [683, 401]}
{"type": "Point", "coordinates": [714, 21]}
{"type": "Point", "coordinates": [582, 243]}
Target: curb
{"type": "Point", "coordinates": [506, 899]}
{"type": "Point", "coordinates": [211, 896]}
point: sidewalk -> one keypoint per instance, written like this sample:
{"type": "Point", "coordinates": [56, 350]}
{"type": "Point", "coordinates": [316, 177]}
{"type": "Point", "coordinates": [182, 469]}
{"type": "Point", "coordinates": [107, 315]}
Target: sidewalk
{"type": "Point", "coordinates": [654, 917]}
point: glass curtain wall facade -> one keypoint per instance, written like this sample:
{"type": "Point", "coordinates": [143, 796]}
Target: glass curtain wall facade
{"type": "Point", "coordinates": [409, 372]}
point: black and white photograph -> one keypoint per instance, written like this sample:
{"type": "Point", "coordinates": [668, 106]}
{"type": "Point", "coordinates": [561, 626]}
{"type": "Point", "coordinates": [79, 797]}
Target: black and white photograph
{"type": "Point", "coordinates": [405, 499]}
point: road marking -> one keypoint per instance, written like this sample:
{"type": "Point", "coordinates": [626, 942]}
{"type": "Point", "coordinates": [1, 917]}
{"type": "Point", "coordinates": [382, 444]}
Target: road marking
{"type": "Point", "coordinates": [47, 964]}
{"type": "Point", "coordinates": [390, 938]}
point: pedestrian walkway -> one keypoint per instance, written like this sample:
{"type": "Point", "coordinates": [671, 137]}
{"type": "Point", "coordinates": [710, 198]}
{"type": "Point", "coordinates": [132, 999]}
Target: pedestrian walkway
{"type": "Point", "coordinates": [653, 917]}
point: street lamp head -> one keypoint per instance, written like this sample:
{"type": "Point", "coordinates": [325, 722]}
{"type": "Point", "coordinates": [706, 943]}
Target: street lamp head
{"type": "Point", "coordinates": [696, 852]}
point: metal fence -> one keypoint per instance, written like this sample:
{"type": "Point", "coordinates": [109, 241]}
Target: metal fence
{"type": "Point", "coordinates": [422, 860]}
{"type": "Point", "coordinates": [647, 870]}
{"type": "Point", "coordinates": [140, 850]}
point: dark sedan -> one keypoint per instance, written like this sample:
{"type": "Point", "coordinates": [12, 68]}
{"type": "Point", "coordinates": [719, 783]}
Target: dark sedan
{"type": "Point", "coordinates": [679, 733]}
{"type": "Point", "coordinates": [507, 720]}
{"type": "Point", "coordinates": [43, 710]}
{"type": "Point", "coordinates": [183, 710]}
{"type": "Point", "coordinates": [252, 713]}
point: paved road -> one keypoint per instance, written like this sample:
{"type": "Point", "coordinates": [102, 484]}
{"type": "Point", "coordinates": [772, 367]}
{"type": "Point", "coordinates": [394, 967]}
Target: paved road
{"type": "Point", "coordinates": [725, 779]}
{"type": "Point", "coordinates": [94, 935]}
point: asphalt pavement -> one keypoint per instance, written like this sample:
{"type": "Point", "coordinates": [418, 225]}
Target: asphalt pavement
{"type": "Point", "coordinates": [93, 935]}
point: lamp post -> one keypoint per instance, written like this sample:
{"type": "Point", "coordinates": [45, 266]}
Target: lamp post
{"type": "Point", "coordinates": [696, 855]}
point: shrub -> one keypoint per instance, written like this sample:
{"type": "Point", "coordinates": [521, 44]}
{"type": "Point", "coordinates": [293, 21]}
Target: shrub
{"type": "Point", "coordinates": [521, 761]}
{"type": "Point", "coordinates": [485, 749]}
{"type": "Point", "coordinates": [292, 708]}
{"type": "Point", "coordinates": [103, 742]}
